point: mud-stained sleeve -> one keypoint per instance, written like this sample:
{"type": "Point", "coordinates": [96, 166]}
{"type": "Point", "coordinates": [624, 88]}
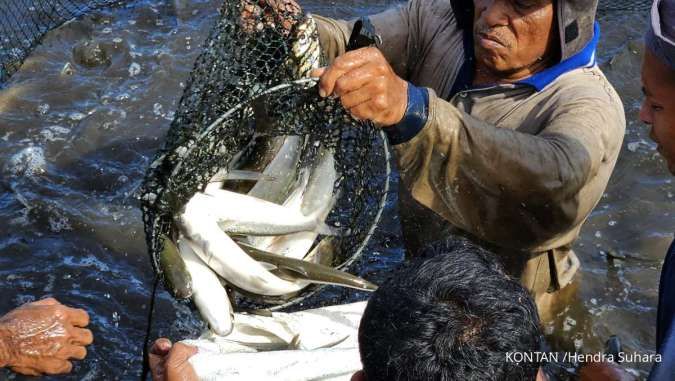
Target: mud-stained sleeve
{"type": "Point", "coordinates": [465, 169]}
{"type": "Point", "coordinates": [397, 28]}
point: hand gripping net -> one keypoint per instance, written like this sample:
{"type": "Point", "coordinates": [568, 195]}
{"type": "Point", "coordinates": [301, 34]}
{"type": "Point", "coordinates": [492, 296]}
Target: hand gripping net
{"type": "Point", "coordinates": [246, 83]}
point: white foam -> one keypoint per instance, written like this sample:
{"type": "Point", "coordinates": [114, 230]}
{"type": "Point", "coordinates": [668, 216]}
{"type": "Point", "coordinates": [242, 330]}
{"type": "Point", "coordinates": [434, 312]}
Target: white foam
{"type": "Point", "coordinates": [29, 161]}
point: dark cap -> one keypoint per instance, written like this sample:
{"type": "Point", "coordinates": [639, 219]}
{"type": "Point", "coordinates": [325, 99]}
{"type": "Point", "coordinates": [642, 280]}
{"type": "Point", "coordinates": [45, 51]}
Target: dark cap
{"type": "Point", "coordinates": [660, 38]}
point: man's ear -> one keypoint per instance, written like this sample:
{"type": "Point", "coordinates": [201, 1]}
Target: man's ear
{"type": "Point", "coordinates": [359, 376]}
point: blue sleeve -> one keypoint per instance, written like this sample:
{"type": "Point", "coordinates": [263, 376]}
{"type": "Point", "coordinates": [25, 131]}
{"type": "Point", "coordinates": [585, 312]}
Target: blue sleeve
{"type": "Point", "coordinates": [415, 117]}
{"type": "Point", "coordinates": [666, 313]}
{"type": "Point", "coordinates": [665, 370]}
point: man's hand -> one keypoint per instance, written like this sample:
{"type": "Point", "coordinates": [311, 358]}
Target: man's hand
{"type": "Point", "coordinates": [256, 14]}
{"type": "Point", "coordinates": [604, 371]}
{"type": "Point", "coordinates": [41, 337]}
{"type": "Point", "coordinates": [170, 362]}
{"type": "Point", "coordinates": [367, 86]}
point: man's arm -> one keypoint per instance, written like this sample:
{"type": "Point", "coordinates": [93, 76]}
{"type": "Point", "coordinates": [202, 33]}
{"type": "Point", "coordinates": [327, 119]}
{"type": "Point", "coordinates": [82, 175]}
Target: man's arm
{"type": "Point", "coordinates": [456, 161]}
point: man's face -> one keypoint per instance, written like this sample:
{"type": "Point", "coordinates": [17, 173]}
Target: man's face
{"type": "Point", "coordinates": [658, 107]}
{"type": "Point", "coordinates": [512, 36]}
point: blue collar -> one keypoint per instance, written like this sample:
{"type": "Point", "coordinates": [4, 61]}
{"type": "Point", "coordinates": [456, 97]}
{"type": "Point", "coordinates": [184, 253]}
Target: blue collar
{"type": "Point", "coordinates": [585, 58]}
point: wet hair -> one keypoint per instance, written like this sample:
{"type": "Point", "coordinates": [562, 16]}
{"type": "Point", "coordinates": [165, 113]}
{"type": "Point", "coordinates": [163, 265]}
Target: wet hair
{"type": "Point", "coordinates": [450, 315]}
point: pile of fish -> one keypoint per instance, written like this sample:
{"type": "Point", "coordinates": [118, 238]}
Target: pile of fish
{"type": "Point", "coordinates": [258, 225]}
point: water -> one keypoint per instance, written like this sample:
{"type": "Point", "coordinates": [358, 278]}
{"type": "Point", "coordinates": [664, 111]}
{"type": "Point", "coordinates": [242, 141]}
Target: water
{"type": "Point", "coordinates": [76, 134]}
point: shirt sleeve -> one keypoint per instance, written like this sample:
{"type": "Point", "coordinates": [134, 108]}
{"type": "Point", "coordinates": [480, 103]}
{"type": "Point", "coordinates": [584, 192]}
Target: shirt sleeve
{"type": "Point", "coordinates": [397, 27]}
{"type": "Point", "coordinates": [483, 178]}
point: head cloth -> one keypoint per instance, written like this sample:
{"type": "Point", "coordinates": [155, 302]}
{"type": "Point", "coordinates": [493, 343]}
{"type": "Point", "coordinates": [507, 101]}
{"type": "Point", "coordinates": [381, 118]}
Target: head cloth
{"type": "Point", "coordinates": [660, 39]}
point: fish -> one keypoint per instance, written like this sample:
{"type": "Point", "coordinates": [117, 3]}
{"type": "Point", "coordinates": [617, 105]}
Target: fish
{"type": "Point", "coordinates": [228, 260]}
{"type": "Point", "coordinates": [208, 294]}
{"type": "Point", "coordinates": [318, 195]}
{"type": "Point", "coordinates": [216, 178]}
{"type": "Point", "coordinates": [176, 275]}
{"type": "Point", "coordinates": [282, 168]}
{"type": "Point", "coordinates": [243, 214]}
{"type": "Point", "coordinates": [310, 272]}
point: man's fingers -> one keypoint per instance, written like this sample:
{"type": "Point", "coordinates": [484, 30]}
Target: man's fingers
{"type": "Point", "coordinates": [316, 73]}
{"type": "Point", "coordinates": [343, 64]}
{"type": "Point", "coordinates": [180, 353]}
{"type": "Point", "coordinates": [362, 111]}
{"type": "Point", "coordinates": [356, 98]}
{"type": "Point", "coordinates": [46, 302]}
{"type": "Point", "coordinates": [25, 371]}
{"type": "Point", "coordinates": [161, 346]}
{"type": "Point", "coordinates": [76, 352]}
{"type": "Point", "coordinates": [56, 366]}
{"type": "Point", "coordinates": [81, 336]}
{"type": "Point", "coordinates": [354, 80]}
{"type": "Point", "coordinates": [177, 365]}
{"type": "Point", "coordinates": [77, 317]}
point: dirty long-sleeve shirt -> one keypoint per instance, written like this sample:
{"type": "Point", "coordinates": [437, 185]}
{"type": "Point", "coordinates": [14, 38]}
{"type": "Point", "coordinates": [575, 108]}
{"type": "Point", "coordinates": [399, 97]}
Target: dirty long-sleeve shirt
{"type": "Point", "coordinates": [518, 166]}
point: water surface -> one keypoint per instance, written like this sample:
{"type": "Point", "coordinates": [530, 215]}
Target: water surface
{"type": "Point", "coordinates": [77, 134]}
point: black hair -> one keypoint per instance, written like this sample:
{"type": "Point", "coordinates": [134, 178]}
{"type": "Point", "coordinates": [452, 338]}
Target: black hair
{"type": "Point", "coordinates": [450, 316]}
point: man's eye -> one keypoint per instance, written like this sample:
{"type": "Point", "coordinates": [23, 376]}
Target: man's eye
{"type": "Point", "coordinates": [525, 4]}
{"type": "Point", "coordinates": [656, 108]}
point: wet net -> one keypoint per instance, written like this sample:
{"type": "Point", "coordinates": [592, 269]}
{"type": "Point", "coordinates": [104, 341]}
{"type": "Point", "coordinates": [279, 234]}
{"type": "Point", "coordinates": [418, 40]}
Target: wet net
{"type": "Point", "coordinates": [24, 22]}
{"type": "Point", "coordinates": [247, 89]}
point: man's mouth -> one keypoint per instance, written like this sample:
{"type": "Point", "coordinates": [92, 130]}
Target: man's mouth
{"type": "Point", "coordinates": [490, 41]}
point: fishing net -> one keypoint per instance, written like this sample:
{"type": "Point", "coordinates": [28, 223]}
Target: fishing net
{"type": "Point", "coordinates": [246, 87]}
{"type": "Point", "coordinates": [24, 22]}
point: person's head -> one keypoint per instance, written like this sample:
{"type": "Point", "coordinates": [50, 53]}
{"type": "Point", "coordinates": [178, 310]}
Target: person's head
{"type": "Point", "coordinates": [658, 80]}
{"type": "Point", "coordinates": [517, 38]}
{"type": "Point", "coordinates": [454, 316]}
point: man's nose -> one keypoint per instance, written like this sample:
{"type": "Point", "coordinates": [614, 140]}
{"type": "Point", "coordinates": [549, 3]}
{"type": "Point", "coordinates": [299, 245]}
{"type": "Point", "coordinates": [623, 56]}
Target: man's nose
{"type": "Point", "coordinates": [645, 113]}
{"type": "Point", "coordinates": [493, 12]}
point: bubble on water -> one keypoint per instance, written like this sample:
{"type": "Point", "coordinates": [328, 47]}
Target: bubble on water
{"type": "Point", "coordinates": [116, 318]}
{"type": "Point", "coordinates": [170, 115]}
{"type": "Point", "coordinates": [43, 108]}
{"type": "Point", "coordinates": [598, 234]}
{"type": "Point", "coordinates": [76, 116]}
{"type": "Point", "coordinates": [106, 30]}
{"type": "Point", "coordinates": [67, 69]}
{"type": "Point", "coordinates": [117, 40]}
{"type": "Point", "coordinates": [134, 69]}
{"type": "Point", "coordinates": [123, 97]}
{"type": "Point", "coordinates": [132, 22]}
{"type": "Point", "coordinates": [59, 223]}
{"type": "Point", "coordinates": [612, 223]}
{"type": "Point", "coordinates": [157, 109]}
{"type": "Point", "coordinates": [29, 161]}
{"type": "Point", "coordinates": [633, 146]}
{"type": "Point", "coordinates": [594, 301]}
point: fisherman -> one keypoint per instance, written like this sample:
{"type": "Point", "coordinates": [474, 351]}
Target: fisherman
{"type": "Point", "coordinates": [42, 337]}
{"type": "Point", "coordinates": [505, 129]}
{"type": "Point", "coordinates": [658, 112]}
{"type": "Point", "coordinates": [458, 314]}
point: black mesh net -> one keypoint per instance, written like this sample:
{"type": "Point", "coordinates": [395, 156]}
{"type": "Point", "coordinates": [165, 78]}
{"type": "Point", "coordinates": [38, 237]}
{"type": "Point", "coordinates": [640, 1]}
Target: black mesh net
{"type": "Point", "coordinates": [245, 90]}
{"type": "Point", "coordinates": [24, 22]}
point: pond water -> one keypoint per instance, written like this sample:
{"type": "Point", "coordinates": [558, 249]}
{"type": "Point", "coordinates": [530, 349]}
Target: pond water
{"type": "Point", "coordinates": [76, 136]}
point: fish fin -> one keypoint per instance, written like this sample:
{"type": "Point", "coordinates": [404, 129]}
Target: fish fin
{"type": "Point", "coordinates": [241, 175]}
